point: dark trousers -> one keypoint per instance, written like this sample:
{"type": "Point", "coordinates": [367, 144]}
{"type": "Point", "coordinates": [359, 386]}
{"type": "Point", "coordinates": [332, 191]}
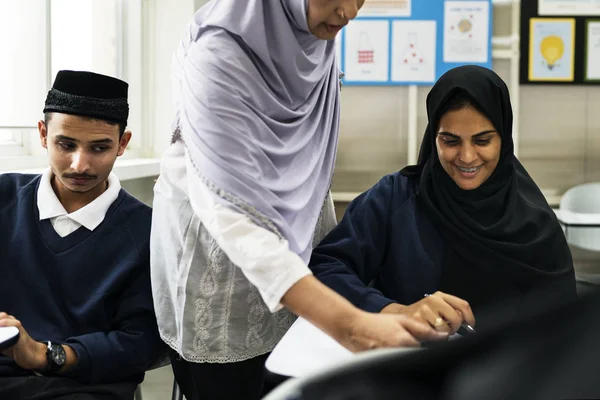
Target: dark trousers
{"type": "Point", "coordinates": [43, 388]}
{"type": "Point", "coordinates": [205, 381]}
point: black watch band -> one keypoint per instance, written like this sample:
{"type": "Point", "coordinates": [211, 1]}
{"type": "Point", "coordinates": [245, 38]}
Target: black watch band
{"type": "Point", "coordinates": [56, 356]}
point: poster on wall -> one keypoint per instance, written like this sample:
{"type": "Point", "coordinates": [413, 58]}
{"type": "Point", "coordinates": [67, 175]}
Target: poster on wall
{"type": "Point", "coordinates": [402, 42]}
{"type": "Point", "coordinates": [386, 8]}
{"type": "Point", "coordinates": [592, 51]}
{"type": "Point", "coordinates": [569, 7]}
{"type": "Point", "coordinates": [552, 49]}
{"type": "Point", "coordinates": [466, 31]}
{"type": "Point", "coordinates": [366, 51]}
{"type": "Point", "coordinates": [413, 51]}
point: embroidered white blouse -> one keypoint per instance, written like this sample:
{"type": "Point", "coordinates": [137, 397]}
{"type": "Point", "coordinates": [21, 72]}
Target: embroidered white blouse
{"type": "Point", "coordinates": [217, 277]}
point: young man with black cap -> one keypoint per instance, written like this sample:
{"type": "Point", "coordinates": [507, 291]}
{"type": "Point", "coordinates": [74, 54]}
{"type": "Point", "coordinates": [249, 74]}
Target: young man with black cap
{"type": "Point", "coordinates": [74, 255]}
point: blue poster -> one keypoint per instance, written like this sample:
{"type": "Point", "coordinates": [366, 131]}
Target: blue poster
{"type": "Point", "coordinates": [406, 42]}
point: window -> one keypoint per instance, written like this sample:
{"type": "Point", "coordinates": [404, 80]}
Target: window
{"type": "Point", "coordinates": [40, 37]}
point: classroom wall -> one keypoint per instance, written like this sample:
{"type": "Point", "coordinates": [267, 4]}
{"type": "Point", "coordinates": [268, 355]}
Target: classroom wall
{"type": "Point", "coordinates": [559, 130]}
{"type": "Point", "coordinates": [559, 125]}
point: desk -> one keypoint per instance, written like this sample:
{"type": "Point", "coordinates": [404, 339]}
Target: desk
{"type": "Point", "coordinates": [306, 350]}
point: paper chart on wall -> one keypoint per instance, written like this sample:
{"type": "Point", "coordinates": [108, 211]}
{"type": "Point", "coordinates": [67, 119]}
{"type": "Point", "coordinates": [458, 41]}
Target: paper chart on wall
{"type": "Point", "coordinates": [592, 57]}
{"type": "Point", "coordinates": [569, 7]}
{"type": "Point", "coordinates": [551, 49]}
{"type": "Point", "coordinates": [466, 31]}
{"type": "Point", "coordinates": [366, 52]}
{"type": "Point", "coordinates": [386, 8]}
{"type": "Point", "coordinates": [414, 51]}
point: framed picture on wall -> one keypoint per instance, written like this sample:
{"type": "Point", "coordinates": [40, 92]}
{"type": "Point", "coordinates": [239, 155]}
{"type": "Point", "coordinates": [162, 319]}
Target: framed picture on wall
{"type": "Point", "coordinates": [551, 49]}
{"type": "Point", "coordinates": [569, 7]}
{"type": "Point", "coordinates": [592, 50]}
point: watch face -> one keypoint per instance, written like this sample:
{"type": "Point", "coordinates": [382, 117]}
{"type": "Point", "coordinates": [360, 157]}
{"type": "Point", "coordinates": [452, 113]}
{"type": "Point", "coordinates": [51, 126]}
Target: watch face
{"type": "Point", "coordinates": [56, 357]}
{"type": "Point", "coordinates": [59, 357]}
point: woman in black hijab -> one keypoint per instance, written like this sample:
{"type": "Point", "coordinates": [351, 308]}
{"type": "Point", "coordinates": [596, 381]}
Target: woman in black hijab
{"type": "Point", "coordinates": [466, 222]}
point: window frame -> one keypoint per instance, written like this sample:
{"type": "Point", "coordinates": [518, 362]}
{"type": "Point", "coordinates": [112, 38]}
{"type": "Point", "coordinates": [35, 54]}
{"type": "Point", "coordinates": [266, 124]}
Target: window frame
{"type": "Point", "coordinates": [24, 151]}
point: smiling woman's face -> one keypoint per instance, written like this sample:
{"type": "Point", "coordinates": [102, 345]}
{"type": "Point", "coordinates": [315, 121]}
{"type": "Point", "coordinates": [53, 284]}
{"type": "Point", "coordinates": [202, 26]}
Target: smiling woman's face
{"type": "Point", "coordinates": [327, 17]}
{"type": "Point", "coordinates": [468, 147]}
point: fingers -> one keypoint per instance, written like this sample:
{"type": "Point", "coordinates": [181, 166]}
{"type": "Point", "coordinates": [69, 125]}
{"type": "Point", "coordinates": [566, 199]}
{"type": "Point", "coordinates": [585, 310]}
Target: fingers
{"type": "Point", "coordinates": [419, 330]}
{"type": "Point", "coordinates": [9, 320]}
{"type": "Point", "coordinates": [433, 319]}
{"type": "Point", "coordinates": [445, 311]}
{"type": "Point", "coordinates": [405, 339]}
{"type": "Point", "coordinates": [460, 305]}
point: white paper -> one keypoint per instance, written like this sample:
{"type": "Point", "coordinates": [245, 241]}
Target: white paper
{"type": "Point", "coordinates": [386, 8]}
{"type": "Point", "coordinates": [466, 31]}
{"type": "Point", "coordinates": [304, 350]}
{"type": "Point", "coordinates": [413, 51]}
{"type": "Point", "coordinates": [569, 7]}
{"type": "Point", "coordinates": [593, 51]}
{"type": "Point", "coordinates": [366, 51]}
{"type": "Point", "coordinates": [7, 333]}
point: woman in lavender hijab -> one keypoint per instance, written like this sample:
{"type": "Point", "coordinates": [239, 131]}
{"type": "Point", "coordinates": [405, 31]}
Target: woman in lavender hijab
{"type": "Point", "coordinates": [243, 194]}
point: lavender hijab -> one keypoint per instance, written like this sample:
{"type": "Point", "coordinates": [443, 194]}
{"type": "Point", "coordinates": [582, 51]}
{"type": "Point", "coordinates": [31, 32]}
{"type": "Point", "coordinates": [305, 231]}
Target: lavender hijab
{"type": "Point", "coordinates": [258, 110]}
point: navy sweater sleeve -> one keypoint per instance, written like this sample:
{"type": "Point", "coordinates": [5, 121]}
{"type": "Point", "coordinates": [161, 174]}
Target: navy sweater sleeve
{"type": "Point", "coordinates": [350, 257]}
{"type": "Point", "coordinates": [133, 344]}
{"type": "Point", "coordinates": [90, 289]}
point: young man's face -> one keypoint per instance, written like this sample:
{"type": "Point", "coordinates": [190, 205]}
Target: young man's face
{"type": "Point", "coordinates": [82, 152]}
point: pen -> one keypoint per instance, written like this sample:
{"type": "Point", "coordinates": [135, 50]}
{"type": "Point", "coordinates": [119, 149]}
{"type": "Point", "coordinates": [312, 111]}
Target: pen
{"type": "Point", "coordinates": [465, 330]}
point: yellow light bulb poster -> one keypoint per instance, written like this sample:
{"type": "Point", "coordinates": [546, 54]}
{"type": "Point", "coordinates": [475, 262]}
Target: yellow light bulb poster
{"type": "Point", "coordinates": [552, 49]}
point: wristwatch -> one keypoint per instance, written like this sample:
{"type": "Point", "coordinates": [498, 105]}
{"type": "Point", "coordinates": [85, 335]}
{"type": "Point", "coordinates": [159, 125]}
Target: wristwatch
{"type": "Point", "coordinates": [56, 357]}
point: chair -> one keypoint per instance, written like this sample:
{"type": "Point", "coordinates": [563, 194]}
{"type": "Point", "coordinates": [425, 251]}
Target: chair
{"type": "Point", "coordinates": [175, 395]}
{"type": "Point", "coordinates": [162, 361]}
{"type": "Point", "coordinates": [579, 214]}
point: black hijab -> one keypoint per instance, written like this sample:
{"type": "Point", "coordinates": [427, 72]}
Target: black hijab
{"type": "Point", "coordinates": [504, 243]}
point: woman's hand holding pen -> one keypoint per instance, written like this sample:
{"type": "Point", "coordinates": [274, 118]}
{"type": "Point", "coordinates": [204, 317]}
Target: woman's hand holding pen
{"type": "Point", "coordinates": [444, 312]}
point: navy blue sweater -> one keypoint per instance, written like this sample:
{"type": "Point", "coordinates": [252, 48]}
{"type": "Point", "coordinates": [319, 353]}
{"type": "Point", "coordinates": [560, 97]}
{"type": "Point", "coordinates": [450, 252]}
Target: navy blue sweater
{"type": "Point", "coordinates": [90, 290]}
{"type": "Point", "coordinates": [386, 249]}
{"type": "Point", "coordinates": [377, 242]}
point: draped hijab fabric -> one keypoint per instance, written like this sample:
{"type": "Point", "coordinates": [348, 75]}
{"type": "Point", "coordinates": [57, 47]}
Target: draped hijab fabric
{"type": "Point", "coordinates": [257, 100]}
{"type": "Point", "coordinates": [504, 242]}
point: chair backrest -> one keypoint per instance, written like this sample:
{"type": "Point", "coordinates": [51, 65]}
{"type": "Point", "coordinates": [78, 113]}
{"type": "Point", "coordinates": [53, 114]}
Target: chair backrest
{"type": "Point", "coordinates": [583, 199]}
{"type": "Point", "coordinates": [581, 204]}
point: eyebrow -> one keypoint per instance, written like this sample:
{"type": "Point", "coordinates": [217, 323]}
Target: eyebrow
{"type": "Point", "coordinates": [70, 139]}
{"type": "Point", "coordinates": [474, 136]}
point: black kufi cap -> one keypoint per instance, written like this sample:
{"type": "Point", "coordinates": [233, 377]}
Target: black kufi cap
{"type": "Point", "coordinates": [90, 95]}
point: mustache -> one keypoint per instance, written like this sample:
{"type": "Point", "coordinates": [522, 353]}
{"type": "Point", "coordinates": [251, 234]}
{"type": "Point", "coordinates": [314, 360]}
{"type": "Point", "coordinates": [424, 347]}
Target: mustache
{"type": "Point", "coordinates": [78, 176]}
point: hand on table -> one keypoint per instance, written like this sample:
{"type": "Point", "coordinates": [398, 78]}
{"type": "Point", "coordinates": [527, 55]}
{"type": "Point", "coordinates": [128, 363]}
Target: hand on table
{"type": "Point", "coordinates": [443, 312]}
{"type": "Point", "coordinates": [369, 331]}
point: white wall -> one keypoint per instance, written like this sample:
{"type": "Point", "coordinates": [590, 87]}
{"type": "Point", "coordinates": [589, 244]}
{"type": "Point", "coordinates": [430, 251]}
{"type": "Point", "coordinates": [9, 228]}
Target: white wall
{"type": "Point", "coordinates": [559, 131]}
{"type": "Point", "coordinates": [141, 189]}
{"type": "Point", "coordinates": [559, 125]}
{"type": "Point", "coordinates": [167, 22]}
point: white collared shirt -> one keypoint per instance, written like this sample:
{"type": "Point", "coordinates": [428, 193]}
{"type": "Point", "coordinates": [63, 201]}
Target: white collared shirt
{"type": "Point", "coordinates": [89, 216]}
